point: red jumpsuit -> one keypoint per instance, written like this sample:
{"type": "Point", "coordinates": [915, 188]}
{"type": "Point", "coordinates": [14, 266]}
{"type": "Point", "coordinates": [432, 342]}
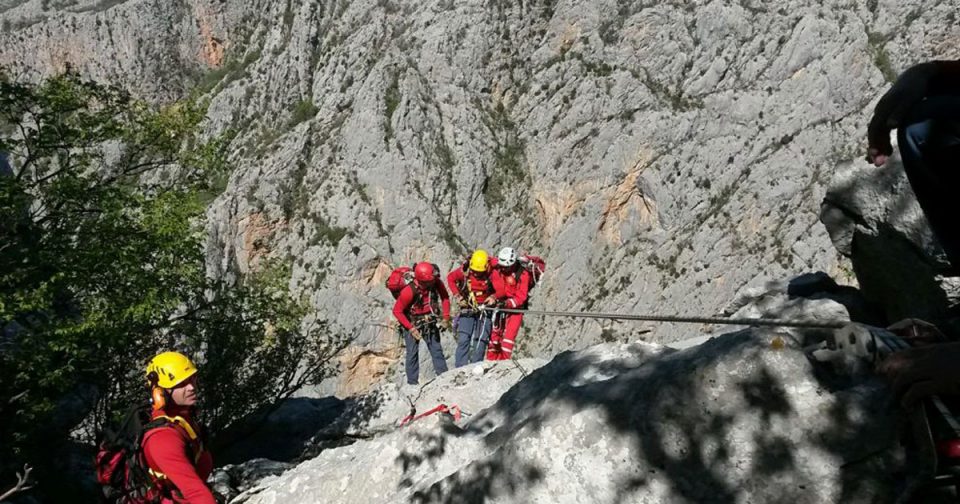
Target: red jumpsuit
{"type": "Point", "coordinates": [470, 283]}
{"type": "Point", "coordinates": [511, 286]}
{"type": "Point", "coordinates": [183, 461]}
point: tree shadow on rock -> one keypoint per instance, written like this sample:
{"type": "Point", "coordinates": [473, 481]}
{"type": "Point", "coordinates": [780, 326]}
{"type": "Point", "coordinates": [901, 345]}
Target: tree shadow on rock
{"type": "Point", "coordinates": [729, 420]}
{"type": "Point", "coordinates": [501, 475]}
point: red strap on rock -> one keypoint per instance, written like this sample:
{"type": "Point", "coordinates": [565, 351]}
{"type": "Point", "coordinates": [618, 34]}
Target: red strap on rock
{"type": "Point", "coordinates": [452, 410]}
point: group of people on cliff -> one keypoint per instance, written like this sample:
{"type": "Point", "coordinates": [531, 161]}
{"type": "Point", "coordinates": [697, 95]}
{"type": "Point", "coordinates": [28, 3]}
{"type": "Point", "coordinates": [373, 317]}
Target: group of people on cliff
{"type": "Point", "coordinates": [490, 292]}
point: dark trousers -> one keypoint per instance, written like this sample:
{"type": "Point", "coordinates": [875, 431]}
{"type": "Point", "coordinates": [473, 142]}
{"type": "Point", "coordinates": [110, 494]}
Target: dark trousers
{"type": "Point", "coordinates": [431, 336]}
{"type": "Point", "coordinates": [931, 158]}
{"type": "Point", "coordinates": [473, 334]}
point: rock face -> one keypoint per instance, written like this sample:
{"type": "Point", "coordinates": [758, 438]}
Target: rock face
{"type": "Point", "coordinates": [661, 157]}
{"type": "Point", "coordinates": [741, 418]}
{"type": "Point", "coordinates": [873, 217]}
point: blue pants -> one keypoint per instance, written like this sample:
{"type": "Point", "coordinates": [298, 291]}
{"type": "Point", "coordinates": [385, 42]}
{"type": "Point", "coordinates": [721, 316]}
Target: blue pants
{"type": "Point", "coordinates": [431, 336]}
{"type": "Point", "coordinates": [931, 152]}
{"type": "Point", "coordinates": [472, 331]}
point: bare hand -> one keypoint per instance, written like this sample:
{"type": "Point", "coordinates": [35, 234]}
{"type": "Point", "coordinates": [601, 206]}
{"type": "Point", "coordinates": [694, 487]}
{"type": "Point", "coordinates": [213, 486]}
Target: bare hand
{"type": "Point", "coordinates": [490, 301]}
{"type": "Point", "coordinates": [918, 332]}
{"type": "Point", "coordinates": [446, 324]}
{"type": "Point", "coordinates": [876, 157]}
{"type": "Point", "coordinates": [415, 333]}
{"type": "Point", "coordinates": [920, 372]}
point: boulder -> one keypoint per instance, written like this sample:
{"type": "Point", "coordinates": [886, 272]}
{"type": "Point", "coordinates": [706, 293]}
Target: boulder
{"type": "Point", "coordinates": [230, 480]}
{"type": "Point", "coordinates": [874, 219]}
{"type": "Point", "coordinates": [740, 418]}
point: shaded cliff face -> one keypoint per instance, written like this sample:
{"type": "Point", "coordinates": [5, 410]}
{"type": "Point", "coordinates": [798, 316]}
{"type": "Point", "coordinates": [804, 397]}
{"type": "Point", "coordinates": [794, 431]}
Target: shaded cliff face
{"type": "Point", "coordinates": [661, 157]}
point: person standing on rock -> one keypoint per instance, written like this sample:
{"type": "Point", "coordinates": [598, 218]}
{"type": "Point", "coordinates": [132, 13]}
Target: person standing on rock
{"type": "Point", "coordinates": [174, 453]}
{"type": "Point", "coordinates": [511, 285]}
{"type": "Point", "coordinates": [924, 106]}
{"type": "Point", "coordinates": [417, 309]}
{"type": "Point", "coordinates": [471, 285]}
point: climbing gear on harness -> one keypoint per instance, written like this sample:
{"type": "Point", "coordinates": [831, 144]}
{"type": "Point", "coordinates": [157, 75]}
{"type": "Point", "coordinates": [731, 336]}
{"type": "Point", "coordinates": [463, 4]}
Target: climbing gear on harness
{"type": "Point", "coordinates": [477, 334]}
{"type": "Point", "coordinates": [536, 266]}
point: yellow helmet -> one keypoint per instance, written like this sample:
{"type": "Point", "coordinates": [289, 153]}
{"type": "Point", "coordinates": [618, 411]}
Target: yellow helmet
{"type": "Point", "coordinates": [478, 261]}
{"type": "Point", "coordinates": [170, 368]}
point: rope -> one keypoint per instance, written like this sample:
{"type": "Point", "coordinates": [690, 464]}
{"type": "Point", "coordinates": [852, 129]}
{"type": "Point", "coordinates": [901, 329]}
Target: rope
{"type": "Point", "coordinates": [678, 319]}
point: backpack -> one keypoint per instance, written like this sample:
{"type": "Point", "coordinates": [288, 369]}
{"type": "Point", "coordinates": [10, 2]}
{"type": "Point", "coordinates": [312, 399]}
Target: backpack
{"type": "Point", "coordinates": [403, 276]}
{"type": "Point", "coordinates": [536, 266]}
{"type": "Point", "coordinates": [398, 279]}
{"type": "Point", "coordinates": [121, 470]}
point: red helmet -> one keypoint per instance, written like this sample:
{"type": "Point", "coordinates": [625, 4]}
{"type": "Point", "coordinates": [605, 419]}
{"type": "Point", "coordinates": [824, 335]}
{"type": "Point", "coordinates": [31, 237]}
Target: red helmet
{"type": "Point", "coordinates": [423, 272]}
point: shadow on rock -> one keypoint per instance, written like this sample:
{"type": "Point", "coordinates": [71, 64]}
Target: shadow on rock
{"type": "Point", "coordinates": [734, 419]}
{"type": "Point", "coordinates": [284, 433]}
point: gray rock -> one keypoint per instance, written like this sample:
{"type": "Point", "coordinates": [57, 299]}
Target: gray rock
{"type": "Point", "coordinates": [873, 218]}
{"type": "Point", "coordinates": [736, 419]}
{"type": "Point", "coordinates": [231, 480]}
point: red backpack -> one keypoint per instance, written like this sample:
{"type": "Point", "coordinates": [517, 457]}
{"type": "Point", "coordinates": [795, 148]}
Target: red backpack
{"type": "Point", "coordinates": [121, 471]}
{"type": "Point", "coordinates": [403, 276]}
{"type": "Point", "coordinates": [398, 279]}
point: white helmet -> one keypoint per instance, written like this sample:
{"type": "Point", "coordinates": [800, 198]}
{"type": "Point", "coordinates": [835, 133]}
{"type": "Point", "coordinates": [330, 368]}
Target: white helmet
{"type": "Point", "coordinates": [506, 257]}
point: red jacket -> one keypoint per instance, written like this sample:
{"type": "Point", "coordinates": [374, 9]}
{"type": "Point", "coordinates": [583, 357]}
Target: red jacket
{"type": "Point", "coordinates": [184, 461]}
{"type": "Point", "coordinates": [416, 301]}
{"type": "Point", "coordinates": [511, 285]}
{"type": "Point", "coordinates": [471, 281]}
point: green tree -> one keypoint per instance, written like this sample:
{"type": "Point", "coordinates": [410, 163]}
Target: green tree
{"type": "Point", "coordinates": [102, 265]}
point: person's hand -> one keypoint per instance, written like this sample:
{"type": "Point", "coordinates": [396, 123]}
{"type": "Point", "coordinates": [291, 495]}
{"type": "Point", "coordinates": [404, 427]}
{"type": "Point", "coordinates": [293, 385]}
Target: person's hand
{"type": "Point", "coordinates": [918, 332]}
{"type": "Point", "coordinates": [446, 325]}
{"type": "Point", "coordinates": [920, 372]}
{"type": "Point", "coordinates": [463, 303]}
{"type": "Point", "coordinates": [490, 301]}
{"type": "Point", "coordinates": [876, 157]}
{"type": "Point", "coordinates": [415, 333]}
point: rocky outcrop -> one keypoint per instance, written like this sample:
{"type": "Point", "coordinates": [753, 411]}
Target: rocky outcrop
{"type": "Point", "coordinates": [365, 368]}
{"type": "Point", "coordinates": [873, 217]}
{"type": "Point", "coordinates": [741, 418]}
{"type": "Point", "coordinates": [231, 480]}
